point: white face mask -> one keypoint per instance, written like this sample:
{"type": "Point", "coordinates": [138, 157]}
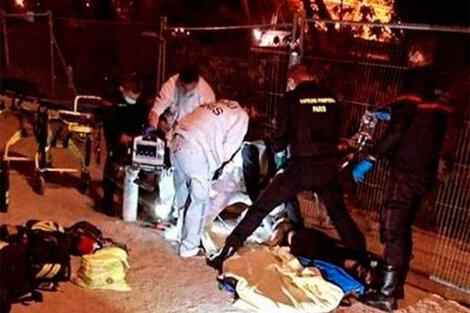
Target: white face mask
{"type": "Point", "coordinates": [188, 90]}
{"type": "Point", "coordinates": [128, 99]}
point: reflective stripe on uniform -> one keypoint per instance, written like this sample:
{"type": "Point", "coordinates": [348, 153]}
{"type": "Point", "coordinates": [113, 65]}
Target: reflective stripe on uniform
{"type": "Point", "coordinates": [434, 106]}
{"type": "Point", "coordinates": [409, 97]}
{"type": "Point", "coordinates": [3, 244]}
{"type": "Point", "coordinates": [48, 270]}
{"type": "Point", "coordinates": [47, 226]}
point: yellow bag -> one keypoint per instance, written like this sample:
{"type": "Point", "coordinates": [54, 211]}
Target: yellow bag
{"type": "Point", "coordinates": [104, 269]}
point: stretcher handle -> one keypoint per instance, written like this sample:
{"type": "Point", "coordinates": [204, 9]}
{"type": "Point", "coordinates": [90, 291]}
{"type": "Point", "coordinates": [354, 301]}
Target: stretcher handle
{"type": "Point", "coordinates": [75, 102]}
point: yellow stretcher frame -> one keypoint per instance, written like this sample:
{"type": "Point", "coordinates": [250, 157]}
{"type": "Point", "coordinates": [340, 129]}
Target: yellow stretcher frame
{"type": "Point", "coordinates": [77, 125]}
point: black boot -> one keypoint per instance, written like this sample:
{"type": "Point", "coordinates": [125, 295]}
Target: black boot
{"type": "Point", "coordinates": [384, 298]}
{"type": "Point", "coordinates": [400, 290]}
{"type": "Point", "coordinates": [217, 260]}
{"type": "Point", "coordinates": [108, 202]}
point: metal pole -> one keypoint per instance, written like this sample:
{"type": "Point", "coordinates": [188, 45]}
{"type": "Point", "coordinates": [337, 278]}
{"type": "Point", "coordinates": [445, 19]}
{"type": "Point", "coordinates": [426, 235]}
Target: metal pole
{"type": "Point", "coordinates": [5, 40]}
{"type": "Point", "coordinates": [302, 29]}
{"type": "Point", "coordinates": [294, 56]}
{"type": "Point", "coordinates": [341, 11]}
{"type": "Point", "coordinates": [51, 48]}
{"type": "Point", "coordinates": [163, 25]}
{"type": "Point", "coordinates": [67, 68]}
{"type": "Point", "coordinates": [294, 28]}
{"type": "Point", "coordinates": [161, 53]}
{"type": "Point", "coordinates": [157, 48]}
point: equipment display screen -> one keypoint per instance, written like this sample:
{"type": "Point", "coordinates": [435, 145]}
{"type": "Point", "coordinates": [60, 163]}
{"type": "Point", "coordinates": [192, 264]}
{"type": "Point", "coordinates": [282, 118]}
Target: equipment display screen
{"type": "Point", "coordinates": [150, 151]}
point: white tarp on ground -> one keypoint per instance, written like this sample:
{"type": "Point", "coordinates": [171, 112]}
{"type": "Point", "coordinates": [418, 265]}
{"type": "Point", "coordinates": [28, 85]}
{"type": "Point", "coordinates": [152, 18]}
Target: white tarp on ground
{"type": "Point", "coordinates": [273, 280]}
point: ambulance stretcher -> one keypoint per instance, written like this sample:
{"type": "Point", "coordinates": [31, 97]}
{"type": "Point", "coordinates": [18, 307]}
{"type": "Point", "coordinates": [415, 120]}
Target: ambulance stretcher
{"type": "Point", "coordinates": [55, 124]}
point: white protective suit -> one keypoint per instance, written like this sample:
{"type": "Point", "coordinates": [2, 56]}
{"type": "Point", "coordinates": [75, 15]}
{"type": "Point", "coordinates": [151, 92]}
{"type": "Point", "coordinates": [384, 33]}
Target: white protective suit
{"type": "Point", "coordinates": [203, 141]}
{"type": "Point", "coordinates": [230, 188]}
{"type": "Point", "coordinates": [179, 102]}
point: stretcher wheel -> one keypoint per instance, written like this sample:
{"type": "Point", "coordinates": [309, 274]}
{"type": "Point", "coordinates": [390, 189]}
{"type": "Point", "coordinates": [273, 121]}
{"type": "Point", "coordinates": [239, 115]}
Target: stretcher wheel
{"type": "Point", "coordinates": [4, 186]}
{"type": "Point", "coordinates": [39, 183]}
{"type": "Point", "coordinates": [84, 182]}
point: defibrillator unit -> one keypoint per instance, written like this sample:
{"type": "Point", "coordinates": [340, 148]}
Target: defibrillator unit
{"type": "Point", "coordinates": [148, 151]}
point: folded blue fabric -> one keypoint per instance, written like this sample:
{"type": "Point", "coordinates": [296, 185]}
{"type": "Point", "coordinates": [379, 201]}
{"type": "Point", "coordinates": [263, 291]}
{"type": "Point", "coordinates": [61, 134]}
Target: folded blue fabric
{"type": "Point", "coordinates": [228, 284]}
{"type": "Point", "coordinates": [335, 275]}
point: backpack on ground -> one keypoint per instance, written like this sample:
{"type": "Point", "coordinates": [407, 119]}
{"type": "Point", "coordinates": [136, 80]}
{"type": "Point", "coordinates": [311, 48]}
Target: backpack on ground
{"type": "Point", "coordinates": [15, 281]}
{"type": "Point", "coordinates": [32, 257]}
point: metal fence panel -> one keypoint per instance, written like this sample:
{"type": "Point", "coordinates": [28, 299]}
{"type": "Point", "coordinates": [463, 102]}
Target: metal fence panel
{"type": "Point", "coordinates": [368, 73]}
{"type": "Point", "coordinates": [452, 264]}
{"type": "Point", "coordinates": [102, 52]}
{"type": "Point", "coordinates": [26, 49]}
{"type": "Point", "coordinates": [97, 53]}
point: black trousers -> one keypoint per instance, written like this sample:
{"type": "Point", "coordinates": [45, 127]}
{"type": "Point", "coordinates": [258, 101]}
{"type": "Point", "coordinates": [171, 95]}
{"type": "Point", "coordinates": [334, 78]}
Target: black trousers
{"type": "Point", "coordinates": [255, 181]}
{"type": "Point", "coordinates": [251, 170]}
{"type": "Point", "coordinates": [398, 213]}
{"type": "Point", "coordinates": [314, 244]}
{"type": "Point", "coordinates": [320, 177]}
{"type": "Point", "coordinates": [116, 159]}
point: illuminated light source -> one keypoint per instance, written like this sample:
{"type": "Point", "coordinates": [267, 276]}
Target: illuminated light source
{"type": "Point", "coordinates": [87, 4]}
{"type": "Point", "coordinates": [180, 32]}
{"type": "Point", "coordinates": [20, 3]}
{"type": "Point", "coordinates": [271, 38]}
{"type": "Point", "coordinates": [257, 34]}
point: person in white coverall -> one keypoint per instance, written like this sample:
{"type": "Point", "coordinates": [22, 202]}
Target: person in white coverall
{"type": "Point", "coordinates": [179, 96]}
{"type": "Point", "coordinates": [203, 141]}
{"type": "Point", "coordinates": [240, 181]}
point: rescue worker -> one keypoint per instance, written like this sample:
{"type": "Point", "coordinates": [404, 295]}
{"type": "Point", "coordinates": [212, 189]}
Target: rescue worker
{"type": "Point", "coordinates": [307, 122]}
{"type": "Point", "coordinates": [238, 181]}
{"type": "Point", "coordinates": [203, 141]}
{"type": "Point", "coordinates": [179, 96]}
{"type": "Point", "coordinates": [412, 143]}
{"type": "Point", "coordinates": [246, 173]}
{"type": "Point", "coordinates": [126, 119]}
{"type": "Point", "coordinates": [258, 167]}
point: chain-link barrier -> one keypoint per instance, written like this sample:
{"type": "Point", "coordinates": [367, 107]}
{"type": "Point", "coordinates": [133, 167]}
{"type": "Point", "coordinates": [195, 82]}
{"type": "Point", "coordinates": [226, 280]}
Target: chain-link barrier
{"type": "Point", "coordinates": [66, 56]}
{"type": "Point", "coordinates": [27, 49]}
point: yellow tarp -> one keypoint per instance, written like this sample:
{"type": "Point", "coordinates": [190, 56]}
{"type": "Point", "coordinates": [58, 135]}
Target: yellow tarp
{"type": "Point", "coordinates": [272, 280]}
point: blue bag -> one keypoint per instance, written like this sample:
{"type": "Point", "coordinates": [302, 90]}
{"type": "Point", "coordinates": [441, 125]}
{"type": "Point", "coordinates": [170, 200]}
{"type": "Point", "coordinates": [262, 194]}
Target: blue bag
{"type": "Point", "coordinates": [335, 275]}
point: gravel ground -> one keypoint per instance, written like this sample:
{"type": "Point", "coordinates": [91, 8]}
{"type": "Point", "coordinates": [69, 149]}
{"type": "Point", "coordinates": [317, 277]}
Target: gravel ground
{"type": "Point", "coordinates": [161, 281]}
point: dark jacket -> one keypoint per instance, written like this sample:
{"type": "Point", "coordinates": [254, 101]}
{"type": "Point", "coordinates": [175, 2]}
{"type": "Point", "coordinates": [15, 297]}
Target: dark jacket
{"type": "Point", "coordinates": [124, 118]}
{"type": "Point", "coordinates": [308, 121]}
{"type": "Point", "coordinates": [415, 135]}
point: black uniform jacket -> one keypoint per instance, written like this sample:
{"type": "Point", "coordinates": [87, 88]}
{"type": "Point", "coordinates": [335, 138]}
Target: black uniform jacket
{"type": "Point", "coordinates": [415, 134]}
{"type": "Point", "coordinates": [124, 118]}
{"type": "Point", "coordinates": [308, 121]}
